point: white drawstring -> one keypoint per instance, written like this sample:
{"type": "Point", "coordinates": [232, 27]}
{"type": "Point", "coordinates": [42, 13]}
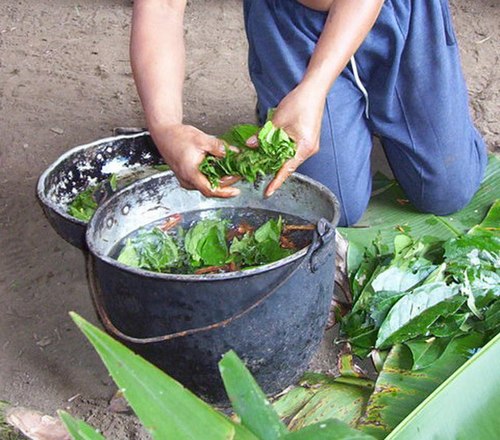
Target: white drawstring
{"type": "Point", "coordinates": [360, 85]}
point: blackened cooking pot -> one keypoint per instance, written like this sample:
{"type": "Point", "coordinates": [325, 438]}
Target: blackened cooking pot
{"type": "Point", "coordinates": [273, 316]}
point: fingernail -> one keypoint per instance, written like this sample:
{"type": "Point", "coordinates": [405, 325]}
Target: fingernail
{"type": "Point", "coordinates": [234, 149]}
{"type": "Point", "coordinates": [235, 192]}
{"type": "Point", "coordinates": [252, 140]}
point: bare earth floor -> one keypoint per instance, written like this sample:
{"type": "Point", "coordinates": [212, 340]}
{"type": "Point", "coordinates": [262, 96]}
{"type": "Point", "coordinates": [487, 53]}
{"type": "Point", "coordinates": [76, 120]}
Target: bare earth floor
{"type": "Point", "coordinates": [64, 81]}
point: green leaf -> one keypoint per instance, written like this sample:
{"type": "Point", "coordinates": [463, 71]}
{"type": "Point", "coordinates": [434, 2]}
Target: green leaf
{"type": "Point", "coordinates": [239, 134]}
{"type": "Point", "coordinates": [128, 255]}
{"type": "Point", "coordinates": [151, 250]}
{"type": "Point", "coordinates": [83, 205]}
{"type": "Point", "coordinates": [291, 402]}
{"type": "Point", "coordinates": [414, 313]}
{"type": "Point", "coordinates": [206, 244]}
{"type": "Point", "coordinates": [491, 223]}
{"type": "Point", "coordinates": [336, 400]}
{"type": "Point", "coordinates": [165, 407]}
{"type": "Point", "coordinates": [426, 351]}
{"type": "Point", "coordinates": [328, 430]}
{"type": "Point", "coordinates": [399, 390]}
{"type": "Point", "coordinates": [248, 400]}
{"type": "Point", "coordinates": [78, 429]}
{"type": "Point", "coordinates": [465, 406]}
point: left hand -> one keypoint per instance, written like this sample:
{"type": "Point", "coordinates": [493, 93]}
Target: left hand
{"type": "Point", "coordinates": [300, 114]}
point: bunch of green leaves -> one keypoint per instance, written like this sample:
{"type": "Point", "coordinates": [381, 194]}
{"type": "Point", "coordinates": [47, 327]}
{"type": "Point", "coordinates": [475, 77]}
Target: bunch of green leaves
{"type": "Point", "coordinates": [260, 247]}
{"type": "Point", "coordinates": [425, 289]}
{"type": "Point", "coordinates": [84, 205]}
{"type": "Point", "coordinates": [152, 250]}
{"type": "Point", "coordinates": [275, 147]}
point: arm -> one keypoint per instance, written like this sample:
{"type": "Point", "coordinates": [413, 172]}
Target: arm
{"type": "Point", "coordinates": [158, 63]}
{"type": "Point", "coordinates": [346, 27]}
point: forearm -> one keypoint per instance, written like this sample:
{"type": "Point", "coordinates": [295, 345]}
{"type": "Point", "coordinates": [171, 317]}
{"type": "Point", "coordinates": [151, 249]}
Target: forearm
{"type": "Point", "coordinates": [346, 27]}
{"type": "Point", "coordinates": [158, 59]}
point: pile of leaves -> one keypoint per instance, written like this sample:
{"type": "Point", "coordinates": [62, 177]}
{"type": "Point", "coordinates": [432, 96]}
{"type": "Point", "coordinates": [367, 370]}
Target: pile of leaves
{"type": "Point", "coordinates": [84, 205]}
{"type": "Point", "coordinates": [209, 246]}
{"type": "Point", "coordinates": [427, 292]}
{"type": "Point", "coordinates": [251, 164]}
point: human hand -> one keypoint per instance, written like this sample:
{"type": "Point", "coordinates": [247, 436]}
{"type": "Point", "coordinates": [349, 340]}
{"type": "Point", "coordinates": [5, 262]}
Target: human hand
{"type": "Point", "coordinates": [300, 114]}
{"type": "Point", "coordinates": [184, 147]}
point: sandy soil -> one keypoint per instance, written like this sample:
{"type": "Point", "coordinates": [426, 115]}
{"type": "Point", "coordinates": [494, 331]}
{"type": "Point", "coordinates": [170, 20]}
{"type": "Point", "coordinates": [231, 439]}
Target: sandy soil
{"type": "Point", "coordinates": [64, 81]}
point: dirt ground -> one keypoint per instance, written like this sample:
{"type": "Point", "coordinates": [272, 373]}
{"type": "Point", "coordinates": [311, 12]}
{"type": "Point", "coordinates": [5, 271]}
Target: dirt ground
{"type": "Point", "coordinates": [64, 81]}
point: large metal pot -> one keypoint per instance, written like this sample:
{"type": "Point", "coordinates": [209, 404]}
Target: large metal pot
{"type": "Point", "coordinates": [273, 316]}
{"type": "Point", "coordinates": [87, 165]}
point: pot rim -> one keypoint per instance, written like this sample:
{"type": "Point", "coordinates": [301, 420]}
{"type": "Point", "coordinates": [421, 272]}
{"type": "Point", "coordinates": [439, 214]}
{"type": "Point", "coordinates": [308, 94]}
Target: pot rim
{"type": "Point", "coordinates": [41, 187]}
{"type": "Point", "coordinates": [204, 277]}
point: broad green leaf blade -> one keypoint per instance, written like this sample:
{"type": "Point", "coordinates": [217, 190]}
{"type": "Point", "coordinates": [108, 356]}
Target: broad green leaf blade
{"type": "Point", "coordinates": [248, 400]}
{"type": "Point", "coordinates": [78, 429]}
{"type": "Point", "coordinates": [398, 390]}
{"type": "Point", "coordinates": [425, 352]}
{"type": "Point", "coordinates": [164, 406]}
{"type": "Point", "coordinates": [415, 312]}
{"type": "Point", "coordinates": [328, 430]}
{"type": "Point", "coordinates": [340, 401]}
{"type": "Point", "coordinates": [388, 210]}
{"type": "Point", "coordinates": [491, 223]}
{"type": "Point", "coordinates": [290, 403]}
{"type": "Point", "coordinates": [465, 406]}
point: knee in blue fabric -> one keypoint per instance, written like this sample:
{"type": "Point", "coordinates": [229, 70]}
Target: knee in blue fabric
{"type": "Point", "coordinates": [444, 197]}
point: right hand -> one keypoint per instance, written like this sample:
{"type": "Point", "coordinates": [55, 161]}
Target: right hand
{"type": "Point", "coordinates": [184, 147]}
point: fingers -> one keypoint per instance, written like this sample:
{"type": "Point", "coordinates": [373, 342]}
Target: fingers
{"type": "Point", "coordinates": [228, 181]}
{"type": "Point", "coordinates": [201, 183]}
{"type": "Point", "coordinates": [216, 147]}
{"type": "Point", "coordinates": [304, 150]}
{"type": "Point", "coordinates": [284, 173]}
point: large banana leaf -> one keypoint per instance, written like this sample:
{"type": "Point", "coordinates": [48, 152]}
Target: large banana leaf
{"type": "Point", "coordinates": [165, 407]}
{"type": "Point", "coordinates": [465, 406]}
{"type": "Point", "coordinates": [388, 214]}
{"type": "Point", "coordinates": [399, 389]}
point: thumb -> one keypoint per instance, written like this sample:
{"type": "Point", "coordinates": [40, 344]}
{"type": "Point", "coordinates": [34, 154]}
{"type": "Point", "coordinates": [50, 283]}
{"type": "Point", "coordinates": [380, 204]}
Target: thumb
{"type": "Point", "coordinates": [252, 141]}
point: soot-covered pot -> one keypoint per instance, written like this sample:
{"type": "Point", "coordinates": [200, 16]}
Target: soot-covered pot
{"type": "Point", "coordinates": [273, 316]}
{"type": "Point", "coordinates": [129, 157]}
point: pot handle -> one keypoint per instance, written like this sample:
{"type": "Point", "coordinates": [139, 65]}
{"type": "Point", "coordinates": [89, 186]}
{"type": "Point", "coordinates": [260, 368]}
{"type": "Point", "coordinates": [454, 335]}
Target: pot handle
{"type": "Point", "coordinates": [322, 235]}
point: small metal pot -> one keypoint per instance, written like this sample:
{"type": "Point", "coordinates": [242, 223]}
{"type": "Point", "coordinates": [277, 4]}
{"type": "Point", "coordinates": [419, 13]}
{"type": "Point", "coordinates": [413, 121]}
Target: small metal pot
{"type": "Point", "coordinates": [87, 165]}
{"type": "Point", "coordinates": [273, 316]}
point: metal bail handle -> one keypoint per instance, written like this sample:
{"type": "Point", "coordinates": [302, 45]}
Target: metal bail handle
{"type": "Point", "coordinates": [324, 233]}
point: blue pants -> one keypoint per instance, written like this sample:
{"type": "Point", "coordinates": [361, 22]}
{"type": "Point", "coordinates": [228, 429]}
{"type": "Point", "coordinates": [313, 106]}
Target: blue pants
{"type": "Point", "coordinates": [409, 64]}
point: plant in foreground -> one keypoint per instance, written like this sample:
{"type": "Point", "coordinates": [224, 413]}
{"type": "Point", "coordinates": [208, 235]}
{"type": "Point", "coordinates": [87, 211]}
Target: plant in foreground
{"type": "Point", "coordinates": [362, 409]}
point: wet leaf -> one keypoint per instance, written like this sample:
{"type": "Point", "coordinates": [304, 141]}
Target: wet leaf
{"type": "Point", "coordinates": [205, 243]}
